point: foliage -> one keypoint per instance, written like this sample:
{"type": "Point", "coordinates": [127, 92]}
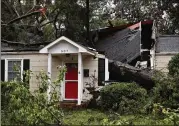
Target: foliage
{"type": "Point", "coordinates": [165, 90]}
{"type": "Point", "coordinates": [64, 17]}
{"type": "Point", "coordinates": [173, 66]}
{"type": "Point", "coordinates": [22, 107]}
{"type": "Point", "coordinates": [101, 23]}
{"type": "Point", "coordinates": [164, 12]}
{"type": "Point", "coordinates": [166, 86]}
{"type": "Point", "coordinates": [96, 117]}
{"type": "Point", "coordinates": [68, 17]}
{"type": "Point", "coordinates": [124, 98]}
{"type": "Point", "coordinates": [170, 116]}
{"type": "Point", "coordinates": [83, 117]}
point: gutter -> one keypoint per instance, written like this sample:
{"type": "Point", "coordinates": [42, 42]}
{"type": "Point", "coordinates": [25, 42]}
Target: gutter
{"type": "Point", "coordinates": [20, 53]}
{"type": "Point", "coordinates": [166, 53]}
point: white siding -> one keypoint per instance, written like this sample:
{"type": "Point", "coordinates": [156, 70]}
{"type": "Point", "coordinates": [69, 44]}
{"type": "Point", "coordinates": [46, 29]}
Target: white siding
{"type": "Point", "coordinates": [38, 62]}
{"type": "Point", "coordinates": [63, 47]}
{"type": "Point", "coordinates": [92, 64]}
{"type": "Point", "coordinates": [55, 63]}
{"type": "Point", "coordinates": [161, 62]}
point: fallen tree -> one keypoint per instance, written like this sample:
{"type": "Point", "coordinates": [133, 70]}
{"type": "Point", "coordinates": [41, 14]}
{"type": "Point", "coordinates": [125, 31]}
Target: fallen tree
{"type": "Point", "coordinates": [121, 72]}
{"type": "Point", "coordinates": [127, 73]}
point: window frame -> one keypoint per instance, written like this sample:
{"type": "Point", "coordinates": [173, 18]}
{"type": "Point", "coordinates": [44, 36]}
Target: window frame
{"type": "Point", "coordinates": [6, 66]}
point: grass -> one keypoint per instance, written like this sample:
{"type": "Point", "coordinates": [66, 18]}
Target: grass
{"type": "Point", "coordinates": [96, 117]}
{"type": "Point", "coordinates": [83, 117]}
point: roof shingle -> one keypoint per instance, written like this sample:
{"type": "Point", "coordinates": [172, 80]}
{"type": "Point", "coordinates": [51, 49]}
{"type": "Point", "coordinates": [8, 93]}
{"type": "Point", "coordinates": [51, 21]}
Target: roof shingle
{"type": "Point", "coordinates": [122, 46]}
{"type": "Point", "coordinates": [167, 43]}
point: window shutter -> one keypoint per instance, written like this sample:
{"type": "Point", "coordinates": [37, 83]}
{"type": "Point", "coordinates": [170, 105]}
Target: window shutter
{"type": "Point", "coordinates": [26, 66]}
{"type": "Point", "coordinates": [2, 70]}
{"type": "Point", "coordinates": [101, 71]}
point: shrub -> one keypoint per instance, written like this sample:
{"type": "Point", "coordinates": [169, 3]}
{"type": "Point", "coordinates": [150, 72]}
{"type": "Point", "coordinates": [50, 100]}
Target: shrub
{"type": "Point", "coordinates": [173, 66]}
{"type": "Point", "coordinates": [165, 90]}
{"type": "Point", "coordinates": [123, 97]}
{"type": "Point", "coordinates": [22, 107]}
{"type": "Point", "coordinates": [169, 116]}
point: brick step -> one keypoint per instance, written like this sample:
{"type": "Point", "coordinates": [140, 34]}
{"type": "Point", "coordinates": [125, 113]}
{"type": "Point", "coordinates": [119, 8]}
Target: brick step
{"type": "Point", "coordinates": [72, 104]}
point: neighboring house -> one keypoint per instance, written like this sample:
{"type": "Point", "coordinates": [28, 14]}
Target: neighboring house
{"type": "Point", "coordinates": [83, 64]}
{"type": "Point", "coordinates": [167, 46]}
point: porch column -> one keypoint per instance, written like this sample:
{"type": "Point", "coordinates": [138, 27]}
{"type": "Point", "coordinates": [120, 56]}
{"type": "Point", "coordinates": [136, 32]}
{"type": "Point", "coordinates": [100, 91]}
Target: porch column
{"type": "Point", "coordinates": [106, 69]}
{"type": "Point", "coordinates": [80, 66]}
{"type": "Point", "coordinates": [82, 75]}
{"type": "Point", "coordinates": [49, 74]}
{"type": "Point", "coordinates": [152, 58]}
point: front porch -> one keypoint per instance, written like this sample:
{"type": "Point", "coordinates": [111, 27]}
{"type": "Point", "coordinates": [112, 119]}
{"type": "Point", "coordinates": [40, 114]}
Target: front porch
{"type": "Point", "coordinates": [73, 104]}
{"type": "Point", "coordinates": [76, 58]}
{"type": "Point", "coordinates": [73, 84]}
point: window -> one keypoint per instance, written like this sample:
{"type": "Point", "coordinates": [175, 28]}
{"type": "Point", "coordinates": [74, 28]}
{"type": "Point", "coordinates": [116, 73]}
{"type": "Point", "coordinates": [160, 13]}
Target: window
{"type": "Point", "coordinates": [2, 69]}
{"type": "Point", "coordinates": [86, 72]}
{"type": "Point", "coordinates": [14, 70]}
{"type": "Point", "coordinates": [101, 71]}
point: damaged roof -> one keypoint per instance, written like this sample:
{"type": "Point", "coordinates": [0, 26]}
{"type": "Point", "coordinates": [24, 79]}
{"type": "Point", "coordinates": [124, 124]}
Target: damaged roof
{"type": "Point", "coordinates": [120, 43]}
{"type": "Point", "coordinates": [9, 46]}
{"type": "Point", "coordinates": [123, 46]}
{"type": "Point", "coordinates": [167, 43]}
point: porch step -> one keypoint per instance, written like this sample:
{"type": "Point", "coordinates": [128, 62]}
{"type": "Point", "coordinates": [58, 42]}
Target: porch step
{"type": "Point", "coordinates": [72, 104]}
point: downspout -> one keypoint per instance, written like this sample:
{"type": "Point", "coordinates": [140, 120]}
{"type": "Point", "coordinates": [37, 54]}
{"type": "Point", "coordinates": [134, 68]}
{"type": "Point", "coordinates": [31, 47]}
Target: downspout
{"type": "Point", "coordinates": [140, 29]}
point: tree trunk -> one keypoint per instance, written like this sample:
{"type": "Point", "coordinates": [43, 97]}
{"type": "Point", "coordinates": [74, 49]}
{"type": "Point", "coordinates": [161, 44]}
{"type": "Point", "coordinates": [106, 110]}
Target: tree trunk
{"type": "Point", "coordinates": [126, 73]}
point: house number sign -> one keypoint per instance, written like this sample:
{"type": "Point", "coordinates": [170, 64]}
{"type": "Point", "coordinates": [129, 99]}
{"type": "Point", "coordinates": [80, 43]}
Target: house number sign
{"type": "Point", "coordinates": [64, 51]}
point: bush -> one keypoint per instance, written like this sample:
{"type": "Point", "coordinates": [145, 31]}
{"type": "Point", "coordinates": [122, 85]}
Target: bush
{"type": "Point", "coordinates": [123, 97]}
{"type": "Point", "coordinates": [165, 90]}
{"type": "Point", "coordinates": [22, 107]}
{"type": "Point", "coordinates": [173, 66]}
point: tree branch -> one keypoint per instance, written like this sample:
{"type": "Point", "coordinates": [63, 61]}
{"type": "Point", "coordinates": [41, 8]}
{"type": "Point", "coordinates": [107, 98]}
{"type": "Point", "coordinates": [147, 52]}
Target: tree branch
{"type": "Point", "coordinates": [8, 6]}
{"type": "Point", "coordinates": [125, 72]}
{"type": "Point", "coordinates": [12, 42]}
{"type": "Point", "coordinates": [54, 23]}
{"type": "Point", "coordinates": [24, 16]}
{"type": "Point", "coordinates": [30, 10]}
{"type": "Point", "coordinates": [47, 23]}
{"type": "Point", "coordinates": [17, 13]}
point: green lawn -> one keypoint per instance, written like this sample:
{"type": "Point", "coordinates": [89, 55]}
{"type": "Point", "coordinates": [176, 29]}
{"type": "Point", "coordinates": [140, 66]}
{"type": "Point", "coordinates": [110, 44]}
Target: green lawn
{"type": "Point", "coordinates": [96, 117]}
{"type": "Point", "coordinates": [83, 117]}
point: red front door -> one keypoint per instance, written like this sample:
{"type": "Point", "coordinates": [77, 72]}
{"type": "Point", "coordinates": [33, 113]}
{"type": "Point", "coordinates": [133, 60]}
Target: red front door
{"type": "Point", "coordinates": [71, 81]}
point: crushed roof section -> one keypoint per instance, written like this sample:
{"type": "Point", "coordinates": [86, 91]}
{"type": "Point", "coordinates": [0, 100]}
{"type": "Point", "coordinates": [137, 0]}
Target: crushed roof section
{"type": "Point", "coordinates": [123, 46]}
{"type": "Point", "coordinates": [167, 43]}
{"type": "Point", "coordinates": [9, 46]}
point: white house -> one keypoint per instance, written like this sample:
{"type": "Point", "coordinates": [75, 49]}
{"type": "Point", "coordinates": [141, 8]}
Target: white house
{"type": "Point", "coordinates": [84, 66]}
{"type": "Point", "coordinates": [167, 46]}
{"type": "Point", "coordinates": [134, 44]}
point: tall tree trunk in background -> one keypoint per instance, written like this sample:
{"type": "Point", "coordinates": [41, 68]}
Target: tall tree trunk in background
{"type": "Point", "coordinates": [87, 20]}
